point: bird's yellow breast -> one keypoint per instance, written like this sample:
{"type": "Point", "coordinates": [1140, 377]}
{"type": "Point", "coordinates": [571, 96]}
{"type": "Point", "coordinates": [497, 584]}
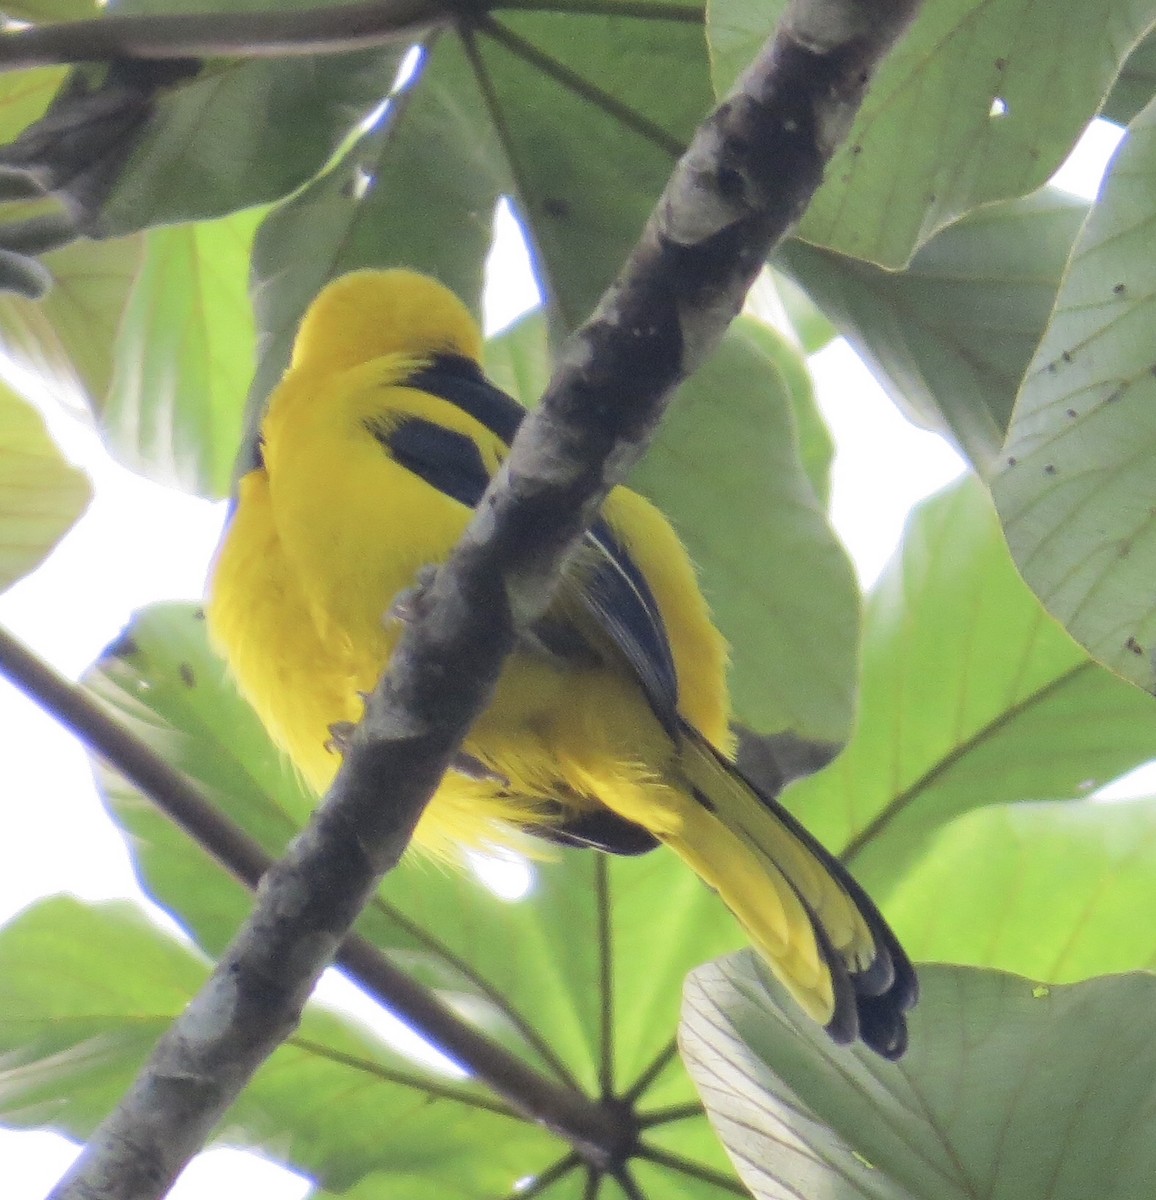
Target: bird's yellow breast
{"type": "Point", "coordinates": [328, 532]}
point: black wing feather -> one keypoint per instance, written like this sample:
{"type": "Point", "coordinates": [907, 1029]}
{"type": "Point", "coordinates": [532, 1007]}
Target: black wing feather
{"type": "Point", "coordinates": [610, 586]}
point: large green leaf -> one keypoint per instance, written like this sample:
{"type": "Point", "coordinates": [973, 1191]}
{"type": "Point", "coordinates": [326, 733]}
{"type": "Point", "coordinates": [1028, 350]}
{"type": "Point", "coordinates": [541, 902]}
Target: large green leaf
{"type": "Point", "coordinates": [183, 356]}
{"type": "Point", "coordinates": [392, 200]}
{"type": "Point", "coordinates": [591, 126]}
{"type": "Point", "coordinates": [1136, 84]}
{"type": "Point", "coordinates": [725, 469]}
{"type": "Point", "coordinates": [575, 978]}
{"type": "Point", "coordinates": [971, 695]}
{"type": "Point", "coordinates": [571, 115]}
{"type": "Point", "coordinates": [952, 334]}
{"type": "Point", "coordinates": [67, 340]}
{"type": "Point", "coordinates": [1055, 890]}
{"type": "Point", "coordinates": [154, 333]}
{"type": "Point", "coordinates": [85, 992]}
{"type": "Point", "coordinates": [1009, 1089]}
{"type": "Point", "coordinates": [982, 100]}
{"type": "Point", "coordinates": [41, 495]}
{"type": "Point", "coordinates": [241, 133]}
{"type": "Point", "coordinates": [1075, 489]}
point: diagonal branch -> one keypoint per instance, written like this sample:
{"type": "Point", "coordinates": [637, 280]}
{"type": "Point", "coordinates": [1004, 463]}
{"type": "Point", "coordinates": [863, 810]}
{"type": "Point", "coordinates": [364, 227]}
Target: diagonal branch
{"type": "Point", "coordinates": [533, 1096]}
{"type": "Point", "coordinates": [273, 34]}
{"type": "Point", "coordinates": [745, 179]}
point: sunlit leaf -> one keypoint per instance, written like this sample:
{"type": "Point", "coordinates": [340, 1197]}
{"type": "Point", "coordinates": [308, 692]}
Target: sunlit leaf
{"type": "Point", "coordinates": [85, 992]}
{"type": "Point", "coordinates": [1009, 1088]}
{"type": "Point", "coordinates": [981, 100]}
{"type": "Point", "coordinates": [1049, 889]}
{"type": "Point", "coordinates": [970, 695]}
{"type": "Point", "coordinates": [1077, 483]}
{"type": "Point", "coordinates": [952, 334]}
{"type": "Point", "coordinates": [41, 495]}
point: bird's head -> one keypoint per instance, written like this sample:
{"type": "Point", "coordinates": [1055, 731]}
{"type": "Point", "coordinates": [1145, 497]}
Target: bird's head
{"type": "Point", "coordinates": [370, 314]}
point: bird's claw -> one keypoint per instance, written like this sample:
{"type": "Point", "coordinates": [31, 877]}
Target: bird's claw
{"type": "Point", "coordinates": [408, 605]}
{"type": "Point", "coordinates": [340, 733]}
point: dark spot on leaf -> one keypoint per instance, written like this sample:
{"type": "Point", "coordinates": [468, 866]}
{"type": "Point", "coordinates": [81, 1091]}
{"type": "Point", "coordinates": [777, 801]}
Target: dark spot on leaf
{"type": "Point", "coordinates": [1066, 356]}
{"type": "Point", "coordinates": [198, 614]}
{"type": "Point", "coordinates": [556, 207]}
{"type": "Point", "coordinates": [1072, 413]}
{"type": "Point", "coordinates": [187, 676]}
{"type": "Point", "coordinates": [1134, 646]}
{"type": "Point", "coordinates": [1011, 462]}
{"type": "Point", "coordinates": [1119, 289]}
{"type": "Point", "coordinates": [857, 149]}
{"type": "Point", "coordinates": [124, 646]}
{"type": "Point", "coordinates": [1000, 64]}
{"type": "Point", "coordinates": [1050, 469]}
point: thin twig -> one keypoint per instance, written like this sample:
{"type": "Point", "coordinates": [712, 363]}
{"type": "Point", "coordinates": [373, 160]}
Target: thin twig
{"type": "Point", "coordinates": [746, 178]}
{"type": "Point", "coordinates": [271, 34]}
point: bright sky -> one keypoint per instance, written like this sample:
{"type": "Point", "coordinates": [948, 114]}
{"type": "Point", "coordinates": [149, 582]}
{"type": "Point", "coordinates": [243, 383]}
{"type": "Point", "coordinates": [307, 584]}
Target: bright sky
{"type": "Point", "coordinates": [139, 543]}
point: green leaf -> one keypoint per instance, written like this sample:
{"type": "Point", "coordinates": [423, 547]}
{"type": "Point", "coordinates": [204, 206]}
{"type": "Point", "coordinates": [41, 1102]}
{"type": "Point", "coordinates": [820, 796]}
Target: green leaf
{"type": "Point", "coordinates": [85, 992]}
{"type": "Point", "coordinates": [725, 469]}
{"type": "Point", "coordinates": [42, 11]}
{"type": "Point", "coordinates": [926, 146]}
{"type": "Point", "coordinates": [67, 340]}
{"type": "Point", "coordinates": [41, 495]}
{"type": "Point", "coordinates": [391, 200]}
{"type": "Point", "coordinates": [196, 160]}
{"type": "Point", "coordinates": [591, 127]}
{"type": "Point", "coordinates": [183, 356]}
{"type": "Point", "coordinates": [1008, 1089]}
{"type": "Point", "coordinates": [1136, 84]}
{"type": "Point", "coordinates": [952, 334]}
{"type": "Point", "coordinates": [539, 975]}
{"type": "Point", "coordinates": [571, 115]}
{"type": "Point", "coordinates": [970, 695]}
{"type": "Point", "coordinates": [1074, 488]}
{"type": "Point", "coordinates": [24, 95]}
{"type": "Point", "coordinates": [1052, 890]}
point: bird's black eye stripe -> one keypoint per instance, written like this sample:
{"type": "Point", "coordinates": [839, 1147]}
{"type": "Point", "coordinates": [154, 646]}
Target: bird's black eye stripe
{"type": "Point", "coordinates": [459, 380]}
{"type": "Point", "coordinates": [445, 459]}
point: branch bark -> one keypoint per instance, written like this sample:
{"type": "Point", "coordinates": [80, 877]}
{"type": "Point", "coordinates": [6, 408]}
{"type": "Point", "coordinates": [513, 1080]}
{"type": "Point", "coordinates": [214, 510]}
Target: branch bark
{"type": "Point", "coordinates": [745, 179]}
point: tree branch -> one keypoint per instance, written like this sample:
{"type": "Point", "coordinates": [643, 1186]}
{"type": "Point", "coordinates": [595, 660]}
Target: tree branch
{"type": "Point", "coordinates": [745, 179]}
{"type": "Point", "coordinates": [578, 1119]}
{"type": "Point", "coordinates": [273, 34]}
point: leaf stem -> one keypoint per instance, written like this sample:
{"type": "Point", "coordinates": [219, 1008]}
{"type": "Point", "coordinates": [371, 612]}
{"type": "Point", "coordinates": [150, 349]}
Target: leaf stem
{"type": "Point", "coordinates": [270, 34]}
{"type": "Point", "coordinates": [581, 87]}
{"type": "Point", "coordinates": [651, 1073]}
{"type": "Point", "coordinates": [898, 804]}
{"type": "Point", "coordinates": [605, 978]}
{"type": "Point", "coordinates": [664, 1116]}
{"type": "Point", "coordinates": [687, 1166]}
{"type": "Point", "coordinates": [640, 9]}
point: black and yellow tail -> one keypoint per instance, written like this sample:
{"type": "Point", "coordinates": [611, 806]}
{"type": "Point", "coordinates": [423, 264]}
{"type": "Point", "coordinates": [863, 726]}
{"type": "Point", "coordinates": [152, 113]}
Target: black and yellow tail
{"type": "Point", "coordinates": [813, 924]}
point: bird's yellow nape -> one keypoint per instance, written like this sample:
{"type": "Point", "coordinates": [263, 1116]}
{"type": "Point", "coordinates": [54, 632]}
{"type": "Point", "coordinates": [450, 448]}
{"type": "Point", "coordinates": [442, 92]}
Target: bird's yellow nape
{"type": "Point", "coordinates": [369, 314]}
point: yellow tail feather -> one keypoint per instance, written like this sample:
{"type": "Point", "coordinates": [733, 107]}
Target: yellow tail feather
{"type": "Point", "coordinates": [815, 927]}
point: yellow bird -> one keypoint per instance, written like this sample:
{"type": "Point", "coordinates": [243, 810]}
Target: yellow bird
{"type": "Point", "coordinates": [609, 726]}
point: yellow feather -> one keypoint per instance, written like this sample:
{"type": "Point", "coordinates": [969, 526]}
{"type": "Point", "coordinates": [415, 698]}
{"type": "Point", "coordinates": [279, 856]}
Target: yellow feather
{"type": "Point", "coordinates": [331, 527]}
